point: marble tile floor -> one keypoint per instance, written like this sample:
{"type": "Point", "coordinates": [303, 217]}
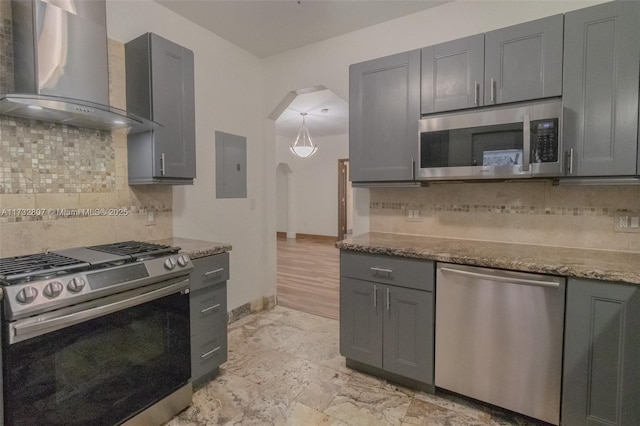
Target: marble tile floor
{"type": "Point", "coordinates": [284, 368]}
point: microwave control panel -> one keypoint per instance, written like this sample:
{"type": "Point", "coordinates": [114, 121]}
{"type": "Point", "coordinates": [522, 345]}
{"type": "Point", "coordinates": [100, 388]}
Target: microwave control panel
{"type": "Point", "coordinates": [544, 141]}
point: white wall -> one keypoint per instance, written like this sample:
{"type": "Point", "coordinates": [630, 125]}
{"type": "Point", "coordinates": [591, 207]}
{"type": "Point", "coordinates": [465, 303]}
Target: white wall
{"type": "Point", "coordinates": [328, 62]}
{"type": "Point", "coordinates": [228, 87]}
{"type": "Point", "coordinates": [315, 182]}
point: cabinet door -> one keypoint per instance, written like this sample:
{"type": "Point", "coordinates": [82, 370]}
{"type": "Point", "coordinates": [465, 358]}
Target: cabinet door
{"type": "Point", "coordinates": [361, 321]}
{"type": "Point", "coordinates": [173, 108]}
{"type": "Point", "coordinates": [453, 74]}
{"type": "Point", "coordinates": [601, 59]}
{"type": "Point", "coordinates": [602, 354]}
{"type": "Point", "coordinates": [409, 333]}
{"type": "Point", "coordinates": [524, 61]}
{"type": "Point", "coordinates": [384, 109]}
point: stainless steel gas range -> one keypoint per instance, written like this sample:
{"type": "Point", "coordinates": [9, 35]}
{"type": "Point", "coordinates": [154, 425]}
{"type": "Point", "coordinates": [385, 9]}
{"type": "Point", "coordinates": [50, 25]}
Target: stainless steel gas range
{"type": "Point", "coordinates": [96, 335]}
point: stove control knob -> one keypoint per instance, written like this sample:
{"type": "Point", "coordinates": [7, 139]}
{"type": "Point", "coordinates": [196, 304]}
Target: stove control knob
{"type": "Point", "coordinates": [183, 260]}
{"type": "Point", "coordinates": [27, 295]}
{"type": "Point", "coordinates": [76, 284]}
{"type": "Point", "coordinates": [170, 263]}
{"type": "Point", "coordinates": [53, 289]}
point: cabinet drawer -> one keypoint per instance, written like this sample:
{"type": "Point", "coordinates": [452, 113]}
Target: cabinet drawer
{"type": "Point", "coordinates": [412, 273]}
{"type": "Point", "coordinates": [209, 270]}
{"type": "Point", "coordinates": [208, 352]}
{"type": "Point", "coordinates": [209, 309]}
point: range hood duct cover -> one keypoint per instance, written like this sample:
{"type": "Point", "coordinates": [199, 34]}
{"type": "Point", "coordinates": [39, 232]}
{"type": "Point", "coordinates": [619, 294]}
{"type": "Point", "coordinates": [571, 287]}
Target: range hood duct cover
{"type": "Point", "coordinates": [60, 66]}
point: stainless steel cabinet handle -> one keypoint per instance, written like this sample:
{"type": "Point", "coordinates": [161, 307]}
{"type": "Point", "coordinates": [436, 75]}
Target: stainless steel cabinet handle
{"type": "Point", "coordinates": [498, 278]}
{"type": "Point", "coordinates": [162, 170]}
{"type": "Point", "coordinates": [476, 92]}
{"type": "Point", "coordinates": [215, 271]}
{"type": "Point", "coordinates": [210, 308]}
{"type": "Point", "coordinates": [375, 296]}
{"type": "Point", "coordinates": [413, 169]}
{"type": "Point", "coordinates": [383, 270]}
{"type": "Point", "coordinates": [570, 161]}
{"type": "Point", "coordinates": [526, 143]}
{"type": "Point", "coordinates": [493, 91]}
{"type": "Point", "coordinates": [388, 299]}
{"type": "Point", "coordinates": [211, 352]}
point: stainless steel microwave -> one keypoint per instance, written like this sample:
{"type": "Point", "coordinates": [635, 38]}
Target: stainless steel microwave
{"type": "Point", "coordinates": [514, 141]}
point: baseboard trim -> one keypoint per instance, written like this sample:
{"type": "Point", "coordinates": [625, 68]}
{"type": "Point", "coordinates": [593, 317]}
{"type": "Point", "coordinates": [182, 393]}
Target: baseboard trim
{"type": "Point", "coordinates": [308, 237]}
{"type": "Point", "coordinates": [312, 237]}
{"type": "Point", "coordinates": [257, 305]}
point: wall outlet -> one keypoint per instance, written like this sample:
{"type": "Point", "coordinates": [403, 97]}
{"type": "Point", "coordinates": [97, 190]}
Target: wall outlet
{"type": "Point", "coordinates": [413, 215]}
{"type": "Point", "coordinates": [151, 218]}
{"type": "Point", "coordinates": [627, 221]}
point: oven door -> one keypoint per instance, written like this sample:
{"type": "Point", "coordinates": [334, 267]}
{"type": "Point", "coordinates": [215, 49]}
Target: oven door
{"type": "Point", "coordinates": [100, 362]}
{"type": "Point", "coordinates": [496, 143]}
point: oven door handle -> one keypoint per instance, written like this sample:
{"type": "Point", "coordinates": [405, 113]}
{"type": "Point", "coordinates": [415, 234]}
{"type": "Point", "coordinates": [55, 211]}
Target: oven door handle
{"type": "Point", "coordinates": [36, 326]}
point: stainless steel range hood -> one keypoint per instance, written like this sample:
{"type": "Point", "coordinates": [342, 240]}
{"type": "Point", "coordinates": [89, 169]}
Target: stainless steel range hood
{"type": "Point", "coordinates": [60, 66]}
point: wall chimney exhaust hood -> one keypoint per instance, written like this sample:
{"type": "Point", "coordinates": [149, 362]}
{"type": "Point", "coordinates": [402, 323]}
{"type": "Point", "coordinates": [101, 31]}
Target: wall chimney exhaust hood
{"type": "Point", "coordinates": [60, 66]}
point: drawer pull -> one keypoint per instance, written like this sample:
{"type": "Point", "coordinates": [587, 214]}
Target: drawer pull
{"type": "Point", "coordinates": [208, 354]}
{"type": "Point", "coordinates": [210, 308]}
{"type": "Point", "coordinates": [215, 271]}
{"type": "Point", "coordinates": [382, 270]}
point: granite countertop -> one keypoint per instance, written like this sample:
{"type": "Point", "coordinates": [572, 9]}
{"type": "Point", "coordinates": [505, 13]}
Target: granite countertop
{"type": "Point", "coordinates": [570, 262]}
{"type": "Point", "coordinates": [196, 248]}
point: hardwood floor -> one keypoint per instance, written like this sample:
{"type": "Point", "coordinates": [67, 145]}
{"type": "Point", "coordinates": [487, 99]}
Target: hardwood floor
{"type": "Point", "coordinates": [308, 276]}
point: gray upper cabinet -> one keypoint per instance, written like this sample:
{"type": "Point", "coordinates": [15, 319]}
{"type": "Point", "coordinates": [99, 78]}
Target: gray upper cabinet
{"type": "Point", "coordinates": [384, 109]}
{"type": "Point", "coordinates": [453, 75]}
{"type": "Point", "coordinates": [601, 354]}
{"type": "Point", "coordinates": [601, 75]}
{"type": "Point", "coordinates": [524, 61]}
{"type": "Point", "coordinates": [160, 87]}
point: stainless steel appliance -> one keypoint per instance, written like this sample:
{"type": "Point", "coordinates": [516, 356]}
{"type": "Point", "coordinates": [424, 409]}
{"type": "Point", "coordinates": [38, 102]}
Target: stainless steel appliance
{"type": "Point", "coordinates": [96, 335]}
{"type": "Point", "coordinates": [513, 141]}
{"type": "Point", "coordinates": [60, 64]}
{"type": "Point", "coordinates": [499, 338]}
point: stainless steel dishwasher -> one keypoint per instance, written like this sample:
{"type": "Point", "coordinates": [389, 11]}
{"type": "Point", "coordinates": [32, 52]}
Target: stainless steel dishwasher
{"type": "Point", "coordinates": [499, 338]}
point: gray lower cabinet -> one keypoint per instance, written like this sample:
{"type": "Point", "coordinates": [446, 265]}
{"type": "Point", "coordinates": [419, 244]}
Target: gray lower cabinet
{"type": "Point", "coordinates": [384, 109]}
{"type": "Point", "coordinates": [160, 87]}
{"type": "Point", "coordinates": [601, 374]}
{"type": "Point", "coordinates": [208, 302]}
{"type": "Point", "coordinates": [524, 61]}
{"type": "Point", "coordinates": [453, 75]}
{"type": "Point", "coordinates": [600, 99]}
{"type": "Point", "coordinates": [388, 327]}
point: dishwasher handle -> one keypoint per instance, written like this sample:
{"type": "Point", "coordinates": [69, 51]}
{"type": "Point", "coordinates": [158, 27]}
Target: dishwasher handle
{"type": "Point", "coordinates": [499, 278]}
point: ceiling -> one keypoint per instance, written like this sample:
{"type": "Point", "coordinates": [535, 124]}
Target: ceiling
{"type": "Point", "coordinates": [267, 27]}
{"type": "Point", "coordinates": [333, 122]}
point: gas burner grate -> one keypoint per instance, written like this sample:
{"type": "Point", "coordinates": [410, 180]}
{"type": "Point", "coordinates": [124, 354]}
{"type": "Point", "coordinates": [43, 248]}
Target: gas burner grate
{"type": "Point", "coordinates": [135, 249]}
{"type": "Point", "coordinates": [32, 265]}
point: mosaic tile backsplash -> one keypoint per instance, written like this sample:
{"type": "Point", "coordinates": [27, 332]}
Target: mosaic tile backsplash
{"type": "Point", "coordinates": [38, 157]}
{"type": "Point", "coordinates": [63, 186]}
{"type": "Point", "coordinates": [521, 212]}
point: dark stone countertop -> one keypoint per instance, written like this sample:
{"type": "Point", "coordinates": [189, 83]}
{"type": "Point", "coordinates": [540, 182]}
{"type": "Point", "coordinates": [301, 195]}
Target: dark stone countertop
{"type": "Point", "coordinates": [196, 248]}
{"type": "Point", "coordinates": [569, 262]}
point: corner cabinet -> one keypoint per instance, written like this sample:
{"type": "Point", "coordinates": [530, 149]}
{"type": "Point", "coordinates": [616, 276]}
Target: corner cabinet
{"type": "Point", "coordinates": [384, 109]}
{"type": "Point", "coordinates": [601, 374]}
{"type": "Point", "coordinates": [387, 317]}
{"type": "Point", "coordinates": [160, 87]}
{"type": "Point", "coordinates": [208, 301]}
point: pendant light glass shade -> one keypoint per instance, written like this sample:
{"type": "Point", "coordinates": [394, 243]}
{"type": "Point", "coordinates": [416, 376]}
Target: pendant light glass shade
{"type": "Point", "coordinates": [303, 147]}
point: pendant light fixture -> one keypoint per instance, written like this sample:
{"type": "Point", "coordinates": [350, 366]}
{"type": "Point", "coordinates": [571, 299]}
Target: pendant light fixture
{"type": "Point", "coordinates": [303, 147]}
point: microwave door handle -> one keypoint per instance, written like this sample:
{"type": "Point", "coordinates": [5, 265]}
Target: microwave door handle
{"type": "Point", "coordinates": [526, 143]}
